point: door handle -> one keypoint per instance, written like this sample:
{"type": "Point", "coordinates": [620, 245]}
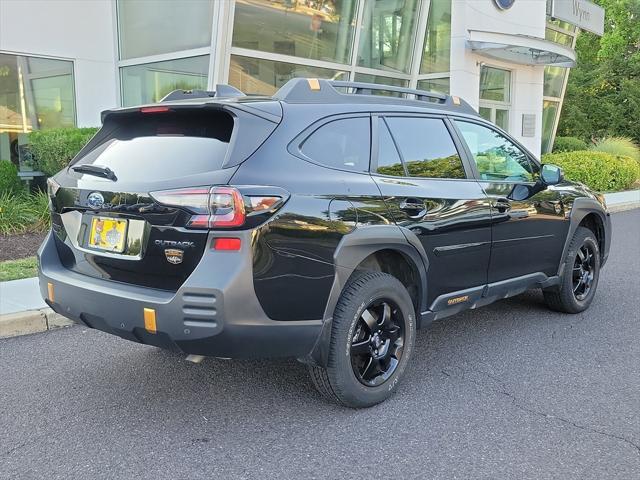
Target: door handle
{"type": "Point", "coordinates": [413, 207]}
{"type": "Point", "coordinates": [501, 204]}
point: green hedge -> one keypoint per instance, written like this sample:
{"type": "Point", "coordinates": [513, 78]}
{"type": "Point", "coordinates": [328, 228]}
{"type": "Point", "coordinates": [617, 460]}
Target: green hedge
{"type": "Point", "coordinates": [600, 171]}
{"type": "Point", "coordinates": [568, 144]}
{"type": "Point", "coordinates": [9, 181]}
{"type": "Point", "coordinates": [53, 149]}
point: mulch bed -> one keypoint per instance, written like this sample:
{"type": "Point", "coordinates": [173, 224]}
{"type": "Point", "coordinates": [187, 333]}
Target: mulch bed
{"type": "Point", "coordinates": [13, 247]}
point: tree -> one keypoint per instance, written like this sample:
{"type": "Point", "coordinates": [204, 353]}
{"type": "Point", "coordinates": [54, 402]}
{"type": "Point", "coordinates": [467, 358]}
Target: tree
{"type": "Point", "coordinates": [603, 92]}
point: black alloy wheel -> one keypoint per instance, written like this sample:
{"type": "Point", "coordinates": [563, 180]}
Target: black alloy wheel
{"type": "Point", "coordinates": [583, 271]}
{"type": "Point", "coordinates": [378, 342]}
{"type": "Point", "coordinates": [373, 333]}
{"type": "Point", "coordinates": [578, 276]}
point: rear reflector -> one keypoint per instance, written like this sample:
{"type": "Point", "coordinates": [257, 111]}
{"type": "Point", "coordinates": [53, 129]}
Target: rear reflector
{"type": "Point", "coordinates": [227, 244]}
{"type": "Point", "coordinates": [150, 320]}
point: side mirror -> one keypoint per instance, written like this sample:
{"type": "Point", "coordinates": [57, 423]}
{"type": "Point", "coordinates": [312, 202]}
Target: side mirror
{"type": "Point", "coordinates": [551, 174]}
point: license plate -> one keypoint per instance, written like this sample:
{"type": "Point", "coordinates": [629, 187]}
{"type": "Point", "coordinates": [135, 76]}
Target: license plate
{"type": "Point", "coordinates": [108, 234]}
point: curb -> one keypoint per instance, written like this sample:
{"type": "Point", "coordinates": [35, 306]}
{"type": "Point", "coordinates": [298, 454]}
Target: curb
{"type": "Point", "coordinates": [622, 201]}
{"type": "Point", "coordinates": [31, 321]}
{"type": "Point", "coordinates": [623, 207]}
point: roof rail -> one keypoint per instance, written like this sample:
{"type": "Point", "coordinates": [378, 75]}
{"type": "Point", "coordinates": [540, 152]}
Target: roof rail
{"type": "Point", "coordinates": [222, 90]}
{"type": "Point", "coordinates": [311, 90]}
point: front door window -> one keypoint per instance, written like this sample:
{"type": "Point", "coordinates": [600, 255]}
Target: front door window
{"type": "Point", "coordinates": [496, 157]}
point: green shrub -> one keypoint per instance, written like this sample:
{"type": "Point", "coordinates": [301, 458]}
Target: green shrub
{"type": "Point", "coordinates": [600, 171]}
{"type": "Point", "coordinates": [623, 146]}
{"type": "Point", "coordinates": [23, 212]}
{"type": "Point", "coordinates": [568, 144]}
{"type": "Point", "coordinates": [9, 180]}
{"type": "Point", "coordinates": [52, 150]}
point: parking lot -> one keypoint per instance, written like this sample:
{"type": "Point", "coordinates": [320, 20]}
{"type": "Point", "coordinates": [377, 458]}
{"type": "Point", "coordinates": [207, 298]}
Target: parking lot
{"type": "Point", "coordinates": [508, 391]}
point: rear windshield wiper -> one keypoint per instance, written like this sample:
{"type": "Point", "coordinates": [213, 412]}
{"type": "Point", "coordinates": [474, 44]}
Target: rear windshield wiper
{"type": "Point", "coordinates": [97, 170]}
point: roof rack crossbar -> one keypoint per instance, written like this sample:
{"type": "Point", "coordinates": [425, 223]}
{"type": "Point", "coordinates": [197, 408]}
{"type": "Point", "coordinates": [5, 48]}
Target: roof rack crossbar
{"type": "Point", "coordinates": [367, 88]}
{"type": "Point", "coordinates": [222, 90]}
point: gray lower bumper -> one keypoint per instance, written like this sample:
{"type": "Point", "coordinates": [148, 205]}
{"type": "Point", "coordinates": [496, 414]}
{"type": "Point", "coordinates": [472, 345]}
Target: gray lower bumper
{"type": "Point", "coordinates": [215, 312]}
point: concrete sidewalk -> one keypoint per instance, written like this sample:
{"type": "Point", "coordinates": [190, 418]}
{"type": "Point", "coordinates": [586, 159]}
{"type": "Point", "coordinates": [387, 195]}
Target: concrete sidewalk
{"type": "Point", "coordinates": [20, 296]}
{"type": "Point", "coordinates": [22, 310]}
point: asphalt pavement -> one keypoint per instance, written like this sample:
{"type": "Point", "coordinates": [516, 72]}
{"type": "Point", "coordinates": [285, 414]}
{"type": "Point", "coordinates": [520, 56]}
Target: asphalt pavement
{"type": "Point", "coordinates": [511, 390]}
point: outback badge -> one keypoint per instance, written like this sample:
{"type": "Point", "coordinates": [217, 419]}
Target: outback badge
{"type": "Point", "coordinates": [174, 255]}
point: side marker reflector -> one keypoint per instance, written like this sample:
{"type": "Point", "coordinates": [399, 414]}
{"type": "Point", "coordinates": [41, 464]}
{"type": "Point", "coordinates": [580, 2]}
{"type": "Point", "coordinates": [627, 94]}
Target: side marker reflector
{"type": "Point", "coordinates": [150, 320]}
{"type": "Point", "coordinates": [314, 84]}
{"type": "Point", "coordinates": [50, 293]}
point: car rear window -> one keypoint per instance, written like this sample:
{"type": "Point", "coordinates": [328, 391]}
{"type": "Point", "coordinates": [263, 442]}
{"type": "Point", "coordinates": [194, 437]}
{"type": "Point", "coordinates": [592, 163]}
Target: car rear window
{"type": "Point", "coordinates": [158, 145]}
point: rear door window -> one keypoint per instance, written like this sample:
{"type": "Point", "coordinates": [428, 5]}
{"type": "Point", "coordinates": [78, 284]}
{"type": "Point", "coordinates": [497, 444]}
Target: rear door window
{"type": "Point", "coordinates": [389, 161]}
{"type": "Point", "coordinates": [162, 145]}
{"type": "Point", "coordinates": [426, 147]}
{"type": "Point", "coordinates": [343, 143]}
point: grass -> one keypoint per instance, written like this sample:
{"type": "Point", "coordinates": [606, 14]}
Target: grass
{"type": "Point", "coordinates": [618, 146]}
{"type": "Point", "coordinates": [21, 213]}
{"type": "Point", "coordinates": [16, 269]}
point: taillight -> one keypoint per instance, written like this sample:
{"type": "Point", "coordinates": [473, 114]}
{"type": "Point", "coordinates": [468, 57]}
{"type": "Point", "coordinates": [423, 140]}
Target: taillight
{"type": "Point", "coordinates": [216, 207]}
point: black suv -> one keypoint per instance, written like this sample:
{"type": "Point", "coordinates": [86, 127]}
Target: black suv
{"type": "Point", "coordinates": [327, 223]}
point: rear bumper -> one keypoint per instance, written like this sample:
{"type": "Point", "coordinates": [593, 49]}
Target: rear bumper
{"type": "Point", "coordinates": [215, 312]}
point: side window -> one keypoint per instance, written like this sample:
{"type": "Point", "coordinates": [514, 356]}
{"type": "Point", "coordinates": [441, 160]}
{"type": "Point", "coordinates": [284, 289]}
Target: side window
{"type": "Point", "coordinates": [496, 157]}
{"type": "Point", "coordinates": [426, 147]}
{"type": "Point", "coordinates": [389, 162]}
{"type": "Point", "coordinates": [344, 143]}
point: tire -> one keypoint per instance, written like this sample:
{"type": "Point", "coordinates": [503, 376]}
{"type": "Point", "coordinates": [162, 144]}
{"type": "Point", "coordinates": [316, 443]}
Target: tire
{"type": "Point", "coordinates": [372, 338]}
{"type": "Point", "coordinates": [571, 296]}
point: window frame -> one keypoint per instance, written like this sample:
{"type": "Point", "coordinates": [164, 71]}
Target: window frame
{"type": "Point", "coordinates": [375, 143]}
{"type": "Point", "coordinates": [469, 155]}
{"type": "Point", "coordinates": [494, 105]}
{"type": "Point", "coordinates": [295, 146]}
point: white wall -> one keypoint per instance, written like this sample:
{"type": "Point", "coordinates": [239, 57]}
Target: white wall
{"type": "Point", "coordinates": [526, 17]}
{"type": "Point", "coordinates": [78, 30]}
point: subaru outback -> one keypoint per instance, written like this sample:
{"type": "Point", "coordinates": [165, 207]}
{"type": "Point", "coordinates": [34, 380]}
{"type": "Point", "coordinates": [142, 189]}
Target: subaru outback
{"type": "Point", "coordinates": [325, 223]}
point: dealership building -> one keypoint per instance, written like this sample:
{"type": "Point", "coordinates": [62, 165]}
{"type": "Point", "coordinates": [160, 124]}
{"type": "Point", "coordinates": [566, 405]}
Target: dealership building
{"type": "Point", "coordinates": [64, 61]}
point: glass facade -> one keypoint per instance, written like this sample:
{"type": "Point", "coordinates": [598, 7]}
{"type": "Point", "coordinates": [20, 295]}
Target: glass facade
{"type": "Point", "coordinates": [321, 30]}
{"type": "Point", "coordinates": [555, 80]}
{"type": "Point", "coordinates": [435, 85]}
{"type": "Point", "coordinates": [148, 27]}
{"type": "Point", "coordinates": [437, 42]}
{"type": "Point", "coordinates": [258, 45]}
{"type": "Point", "coordinates": [388, 34]}
{"type": "Point", "coordinates": [495, 84]}
{"type": "Point", "coordinates": [495, 95]}
{"type": "Point", "coordinates": [550, 112]}
{"type": "Point", "coordinates": [263, 77]}
{"type": "Point", "coordinates": [35, 93]}
{"type": "Point", "coordinates": [150, 82]}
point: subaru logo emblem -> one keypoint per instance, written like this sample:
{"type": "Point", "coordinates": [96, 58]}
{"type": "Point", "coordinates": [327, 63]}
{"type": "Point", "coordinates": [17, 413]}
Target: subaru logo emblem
{"type": "Point", "coordinates": [504, 4]}
{"type": "Point", "coordinates": [95, 200]}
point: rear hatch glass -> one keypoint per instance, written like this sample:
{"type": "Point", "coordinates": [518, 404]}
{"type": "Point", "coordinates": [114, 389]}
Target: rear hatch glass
{"type": "Point", "coordinates": [160, 146]}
